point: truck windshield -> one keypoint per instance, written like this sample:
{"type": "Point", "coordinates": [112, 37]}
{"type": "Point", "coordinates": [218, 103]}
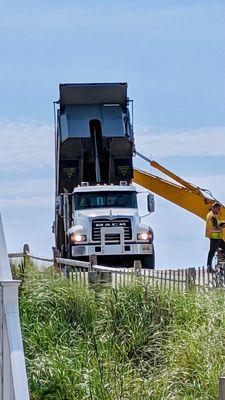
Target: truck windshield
{"type": "Point", "coordinates": [105, 199]}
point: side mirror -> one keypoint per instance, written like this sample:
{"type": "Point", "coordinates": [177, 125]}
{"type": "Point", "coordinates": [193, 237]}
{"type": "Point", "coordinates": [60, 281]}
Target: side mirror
{"type": "Point", "coordinates": [151, 203]}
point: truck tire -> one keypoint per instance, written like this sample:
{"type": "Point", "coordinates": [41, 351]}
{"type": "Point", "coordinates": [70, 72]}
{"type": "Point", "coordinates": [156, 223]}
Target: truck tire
{"type": "Point", "coordinates": [148, 262]}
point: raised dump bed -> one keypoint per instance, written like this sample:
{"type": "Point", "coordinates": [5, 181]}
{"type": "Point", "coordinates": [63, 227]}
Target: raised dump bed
{"type": "Point", "coordinates": [94, 135]}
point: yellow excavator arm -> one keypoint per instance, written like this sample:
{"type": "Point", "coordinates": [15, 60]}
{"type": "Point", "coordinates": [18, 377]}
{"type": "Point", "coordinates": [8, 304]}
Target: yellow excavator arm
{"type": "Point", "coordinates": [182, 193]}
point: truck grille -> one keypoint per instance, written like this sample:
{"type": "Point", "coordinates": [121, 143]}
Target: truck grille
{"type": "Point", "coordinates": [114, 237]}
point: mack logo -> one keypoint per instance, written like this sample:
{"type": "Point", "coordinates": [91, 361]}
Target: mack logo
{"type": "Point", "coordinates": [110, 224]}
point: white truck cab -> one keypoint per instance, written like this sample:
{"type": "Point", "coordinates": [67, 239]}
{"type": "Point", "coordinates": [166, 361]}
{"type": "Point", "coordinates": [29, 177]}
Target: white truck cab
{"type": "Point", "coordinates": [106, 223]}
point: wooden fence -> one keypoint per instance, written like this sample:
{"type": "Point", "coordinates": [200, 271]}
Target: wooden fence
{"type": "Point", "coordinates": [176, 280]}
{"type": "Point", "coordinates": [90, 273]}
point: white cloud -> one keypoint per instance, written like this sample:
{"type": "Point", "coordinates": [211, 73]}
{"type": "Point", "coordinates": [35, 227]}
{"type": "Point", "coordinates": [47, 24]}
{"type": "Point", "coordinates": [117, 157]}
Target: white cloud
{"type": "Point", "coordinates": [34, 202]}
{"type": "Point", "coordinates": [38, 193]}
{"type": "Point", "coordinates": [27, 188]}
{"type": "Point", "coordinates": [28, 145]}
{"type": "Point", "coordinates": [198, 142]}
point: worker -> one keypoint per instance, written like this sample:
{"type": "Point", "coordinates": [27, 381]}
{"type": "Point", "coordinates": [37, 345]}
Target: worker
{"type": "Point", "coordinates": [214, 233]}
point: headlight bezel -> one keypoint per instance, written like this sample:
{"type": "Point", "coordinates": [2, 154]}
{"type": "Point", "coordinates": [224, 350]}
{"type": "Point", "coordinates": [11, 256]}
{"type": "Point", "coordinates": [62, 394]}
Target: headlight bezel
{"type": "Point", "coordinates": [77, 238]}
{"type": "Point", "coordinates": [145, 236]}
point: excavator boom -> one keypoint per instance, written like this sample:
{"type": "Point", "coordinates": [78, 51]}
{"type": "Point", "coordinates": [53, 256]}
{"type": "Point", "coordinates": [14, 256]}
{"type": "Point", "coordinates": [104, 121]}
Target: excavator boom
{"type": "Point", "coordinates": [185, 195]}
{"type": "Point", "coordinates": [165, 171]}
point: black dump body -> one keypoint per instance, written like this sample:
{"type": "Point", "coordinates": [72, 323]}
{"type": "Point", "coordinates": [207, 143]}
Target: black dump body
{"type": "Point", "coordinates": [94, 135]}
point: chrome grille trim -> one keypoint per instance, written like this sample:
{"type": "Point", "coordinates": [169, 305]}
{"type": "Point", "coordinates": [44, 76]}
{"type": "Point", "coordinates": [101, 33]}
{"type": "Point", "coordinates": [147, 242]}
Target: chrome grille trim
{"type": "Point", "coordinates": [97, 224]}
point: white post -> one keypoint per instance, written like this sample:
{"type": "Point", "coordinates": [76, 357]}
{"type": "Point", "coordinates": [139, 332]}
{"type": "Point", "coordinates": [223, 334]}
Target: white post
{"type": "Point", "coordinates": [13, 377]}
{"type": "Point", "coordinates": [5, 271]}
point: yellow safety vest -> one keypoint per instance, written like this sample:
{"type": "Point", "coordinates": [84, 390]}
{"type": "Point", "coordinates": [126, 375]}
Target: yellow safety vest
{"type": "Point", "coordinates": [213, 229]}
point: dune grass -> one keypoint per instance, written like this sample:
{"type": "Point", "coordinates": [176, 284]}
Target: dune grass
{"type": "Point", "coordinates": [133, 343]}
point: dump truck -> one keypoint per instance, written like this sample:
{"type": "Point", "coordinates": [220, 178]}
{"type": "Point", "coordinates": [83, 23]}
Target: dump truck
{"type": "Point", "coordinates": [96, 207]}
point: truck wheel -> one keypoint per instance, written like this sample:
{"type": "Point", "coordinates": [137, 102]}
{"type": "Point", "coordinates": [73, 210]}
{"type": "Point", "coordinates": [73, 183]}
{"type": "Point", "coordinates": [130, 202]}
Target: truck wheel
{"type": "Point", "coordinates": [148, 262]}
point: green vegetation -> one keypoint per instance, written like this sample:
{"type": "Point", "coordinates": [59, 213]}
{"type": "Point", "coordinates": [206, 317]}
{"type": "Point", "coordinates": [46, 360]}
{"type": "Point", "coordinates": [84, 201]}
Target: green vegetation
{"type": "Point", "coordinates": [134, 343]}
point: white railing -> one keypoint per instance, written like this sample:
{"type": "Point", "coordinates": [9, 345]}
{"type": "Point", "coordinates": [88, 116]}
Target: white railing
{"type": "Point", "coordinates": [13, 377]}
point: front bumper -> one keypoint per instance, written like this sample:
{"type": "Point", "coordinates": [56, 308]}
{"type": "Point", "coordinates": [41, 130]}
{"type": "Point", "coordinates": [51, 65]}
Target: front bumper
{"type": "Point", "coordinates": [115, 249]}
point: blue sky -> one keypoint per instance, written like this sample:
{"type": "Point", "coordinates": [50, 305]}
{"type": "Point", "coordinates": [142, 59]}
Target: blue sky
{"type": "Point", "coordinates": [171, 53]}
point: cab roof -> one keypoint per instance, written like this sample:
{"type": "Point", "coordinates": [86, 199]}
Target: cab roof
{"type": "Point", "coordinates": [104, 188]}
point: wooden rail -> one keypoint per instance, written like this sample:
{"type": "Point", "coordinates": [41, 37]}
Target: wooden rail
{"type": "Point", "coordinates": [179, 279]}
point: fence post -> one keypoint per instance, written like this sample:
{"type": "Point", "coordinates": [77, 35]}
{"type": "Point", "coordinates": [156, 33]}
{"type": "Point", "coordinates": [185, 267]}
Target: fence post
{"type": "Point", "coordinates": [92, 277]}
{"type": "Point", "coordinates": [137, 267]}
{"type": "Point", "coordinates": [191, 276]}
{"type": "Point", "coordinates": [56, 254]}
{"type": "Point", "coordinates": [92, 260]}
{"type": "Point", "coordinates": [222, 388]}
{"type": "Point", "coordinates": [92, 273]}
{"type": "Point", "coordinates": [26, 258]}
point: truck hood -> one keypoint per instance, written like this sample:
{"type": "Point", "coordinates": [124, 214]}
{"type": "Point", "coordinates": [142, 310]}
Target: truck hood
{"type": "Point", "coordinates": [107, 212]}
{"type": "Point", "coordinates": [84, 218]}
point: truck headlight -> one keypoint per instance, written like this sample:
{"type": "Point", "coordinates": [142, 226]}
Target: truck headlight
{"type": "Point", "coordinates": [142, 236]}
{"type": "Point", "coordinates": [145, 236]}
{"type": "Point", "coordinates": [76, 237]}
